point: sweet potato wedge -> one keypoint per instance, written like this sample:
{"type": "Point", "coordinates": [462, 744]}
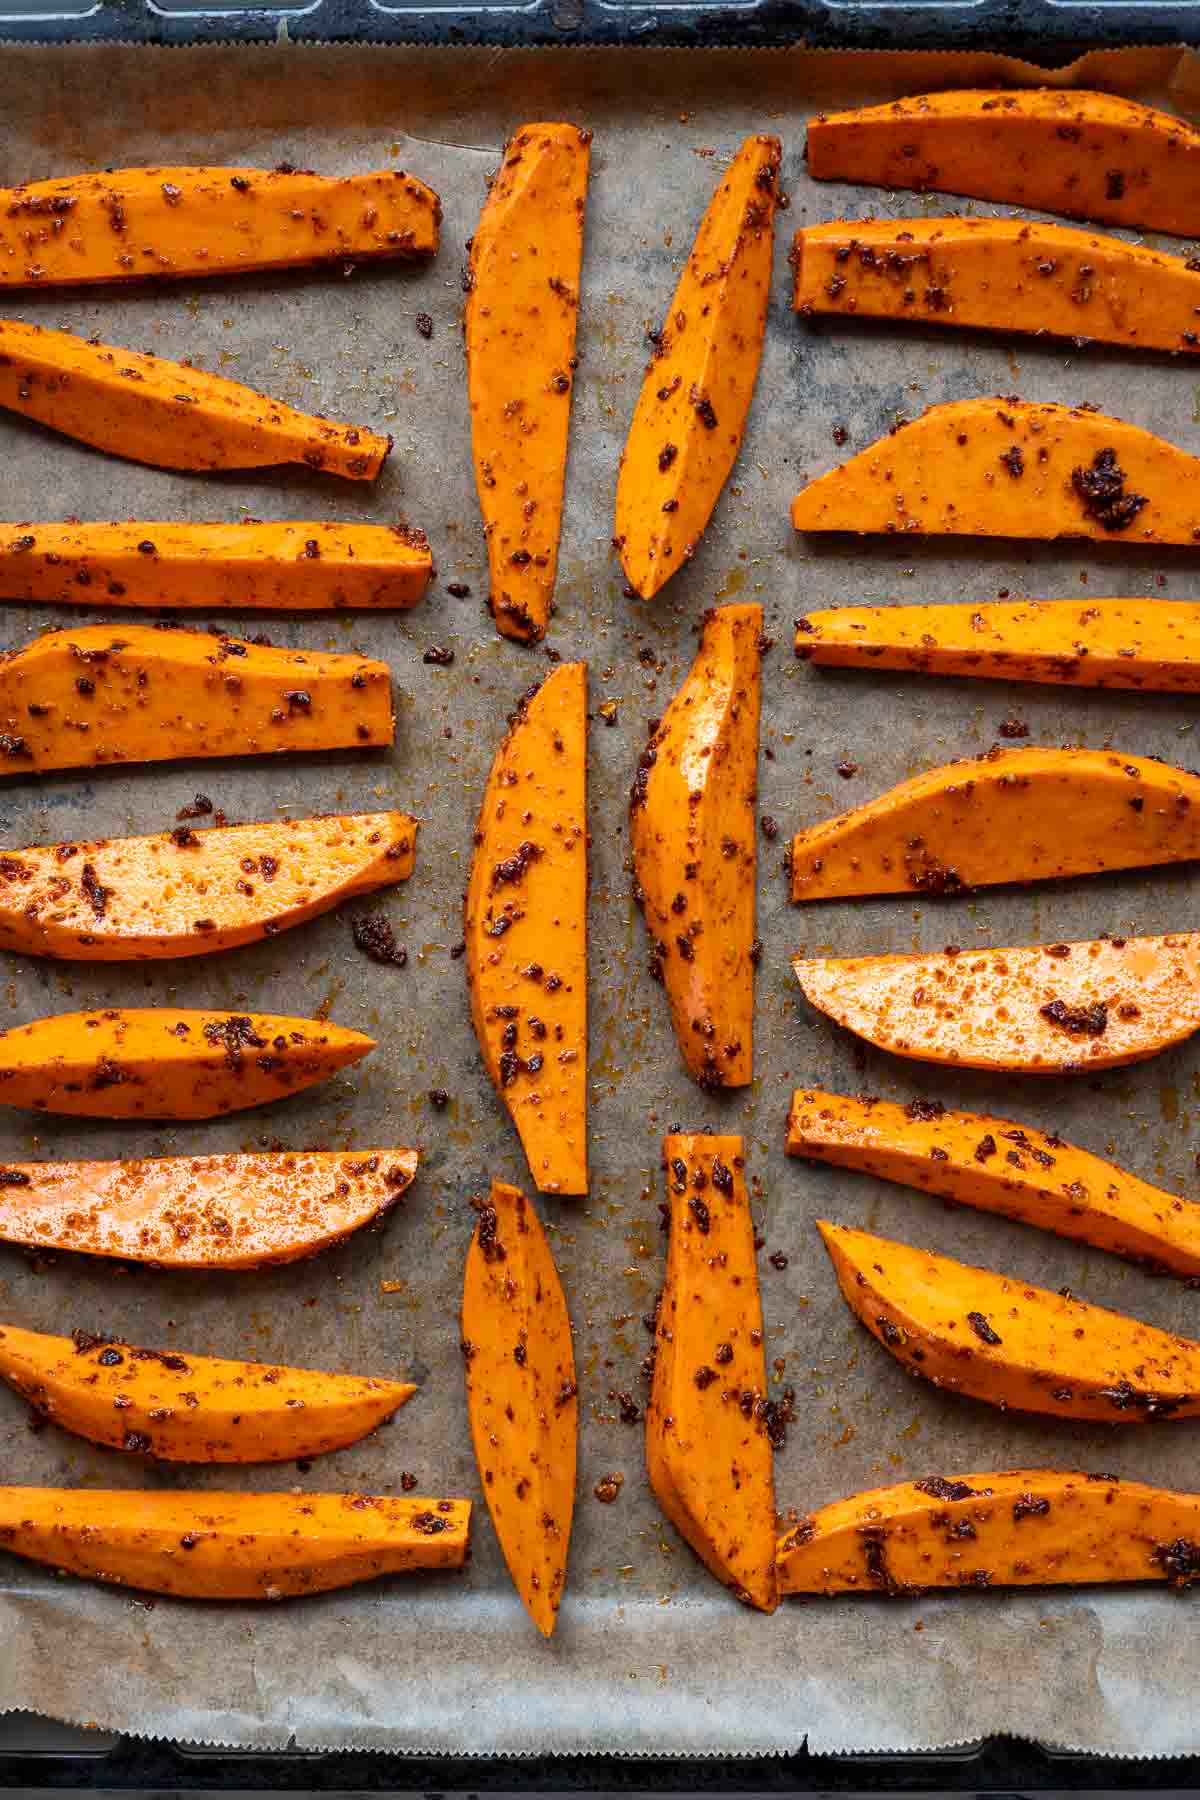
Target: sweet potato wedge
{"type": "Point", "coordinates": [519, 320]}
{"type": "Point", "coordinates": [1040, 1009]}
{"type": "Point", "coordinates": [999, 1339]}
{"type": "Point", "coordinates": [688, 423]}
{"type": "Point", "coordinates": [1009, 468]}
{"type": "Point", "coordinates": [999, 1167]}
{"type": "Point", "coordinates": [112, 694]}
{"type": "Point", "coordinates": [1009, 275]}
{"type": "Point", "coordinates": [187, 893]}
{"type": "Point", "coordinates": [151, 410]}
{"type": "Point", "coordinates": [1074, 643]}
{"type": "Point", "coordinates": [131, 224]}
{"type": "Point", "coordinates": [300, 565]}
{"type": "Point", "coordinates": [166, 1062]}
{"type": "Point", "coordinates": [525, 928]}
{"type": "Point", "coordinates": [692, 830]}
{"type": "Point", "coordinates": [185, 1408]}
{"type": "Point", "coordinates": [1012, 815]}
{"type": "Point", "coordinates": [521, 1396]}
{"type": "Point", "coordinates": [1085, 155]}
{"type": "Point", "coordinates": [709, 1424]}
{"type": "Point", "coordinates": [213, 1546]}
{"type": "Point", "coordinates": [203, 1212]}
{"type": "Point", "coordinates": [1019, 1528]}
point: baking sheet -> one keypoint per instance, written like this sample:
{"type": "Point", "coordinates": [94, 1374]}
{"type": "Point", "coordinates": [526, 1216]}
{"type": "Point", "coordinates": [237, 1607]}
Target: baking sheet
{"type": "Point", "coordinates": [651, 1657]}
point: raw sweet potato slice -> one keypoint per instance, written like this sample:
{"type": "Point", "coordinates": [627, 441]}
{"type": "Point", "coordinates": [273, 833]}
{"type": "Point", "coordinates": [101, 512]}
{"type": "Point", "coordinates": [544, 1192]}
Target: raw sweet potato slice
{"type": "Point", "coordinates": [187, 893]}
{"type": "Point", "coordinates": [999, 1167]}
{"type": "Point", "coordinates": [185, 1408]}
{"type": "Point", "coordinates": [1086, 155]}
{"type": "Point", "coordinates": [692, 829]}
{"type": "Point", "coordinates": [166, 1062]}
{"type": "Point", "coordinates": [709, 1424]}
{"type": "Point", "coordinates": [1012, 815]}
{"type": "Point", "coordinates": [1094, 643]}
{"type": "Point", "coordinates": [300, 565]}
{"type": "Point", "coordinates": [1019, 1528]}
{"type": "Point", "coordinates": [111, 694]}
{"type": "Point", "coordinates": [214, 1546]}
{"type": "Point", "coordinates": [521, 1396]}
{"type": "Point", "coordinates": [1009, 468]}
{"type": "Point", "coordinates": [999, 1339]}
{"type": "Point", "coordinates": [1041, 1009]}
{"type": "Point", "coordinates": [688, 423]}
{"type": "Point", "coordinates": [526, 928]}
{"type": "Point", "coordinates": [519, 320]}
{"type": "Point", "coordinates": [152, 410]}
{"type": "Point", "coordinates": [1008, 275]}
{"type": "Point", "coordinates": [130, 224]}
{"type": "Point", "coordinates": [203, 1212]}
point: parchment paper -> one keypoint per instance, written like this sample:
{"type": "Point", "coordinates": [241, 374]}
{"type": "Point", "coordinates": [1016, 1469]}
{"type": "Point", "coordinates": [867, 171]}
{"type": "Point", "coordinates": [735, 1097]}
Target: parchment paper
{"type": "Point", "coordinates": [651, 1655]}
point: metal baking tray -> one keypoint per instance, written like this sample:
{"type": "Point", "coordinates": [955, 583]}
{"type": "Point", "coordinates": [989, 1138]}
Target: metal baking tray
{"type": "Point", "coordinates": [1050, 31]}
{"type": "Point", "coordinates": [41, 1754]}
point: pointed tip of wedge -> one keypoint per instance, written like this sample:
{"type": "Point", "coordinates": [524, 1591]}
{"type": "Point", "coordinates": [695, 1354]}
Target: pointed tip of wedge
{"type": "Point", "coordinates": [544, 1616]}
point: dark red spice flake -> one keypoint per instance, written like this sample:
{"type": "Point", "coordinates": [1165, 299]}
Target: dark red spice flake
{"type": "Point", "coordinates": [1179, 1561]}
{"type": "Point", "coordinates": [1079, 1021]}
{"type": "Point", "coordinates": [939, 1488]}
{"type": "Point", "coordinates": [373, 935]}
{"type": "Point", "coordinates": [1102, 490]}
{"type": "Point", "coordinates": [234, 1034]}
{"type": "Point", "coordinates": [982, 1329]}
{"type": "Point", "coordinates": [97, 894]}
{"type": "Point", "coordinates": [922, 1110]}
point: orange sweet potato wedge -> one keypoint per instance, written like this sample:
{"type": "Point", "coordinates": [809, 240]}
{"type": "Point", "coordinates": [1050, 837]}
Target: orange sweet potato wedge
{"type": "Point", "coordinates": [519, 320]}
{"type": "Point", "coordinates": [166, 1062]}
{"type": "Point", "coordinates": [1010, 468]}
{"type": "Point", "coordinates": [152, 410]}
{"type": "Point", "coordinates": [1085, 155]}
{"type": "Point", "coordinates": [525, 927]}
{"type": "Point", "coordinates": [692, 829]}
{"type": "Point", "coordinates": [300, 565]}
{"type": "Point", "coordinates": [521, 1396]}
{"type": "Point", "coordinates": [214, 1546]}
{"type": "Point", "coordinates": [1019, 1528]}
{"type": "Point", "coordinates": [1009, 275]}
{"type": "Point", "coordinates": [999, 1339]}
{"type": "Point", "coordinates": [688, 423]}
{"type": "Point", "coordinates": [203, 1212]}
{"type": "Point", "coordinates": [1012, 815]}
{"type": "Point", "coordinates": [1040, 1009]}
{"type": "Point", "coordinates": [131, 224]}
{"type": "Point", "coordinates": [112, 694]}
{"type": "Point", "coordinates": [709, 1425]}
{"type": "Point", "coordinates": [1072, 643]}
{"type": "Point", "coordinates": [999, 1167]}
{"type": "Point", "coordinates": [185, 1408]}
{"type": "Point", "coordinates": [187, 893]}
